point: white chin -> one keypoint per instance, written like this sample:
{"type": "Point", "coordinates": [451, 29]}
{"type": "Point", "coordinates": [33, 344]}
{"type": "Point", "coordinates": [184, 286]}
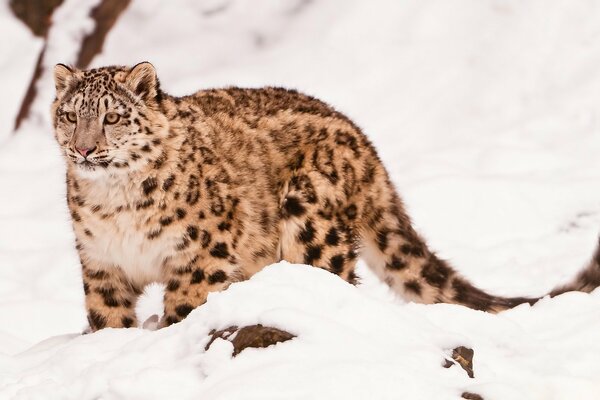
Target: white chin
{"type": "Point", "coordinates": [91, 172]}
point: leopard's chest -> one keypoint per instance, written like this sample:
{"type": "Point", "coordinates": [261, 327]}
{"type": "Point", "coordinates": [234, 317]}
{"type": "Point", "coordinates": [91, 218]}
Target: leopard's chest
{"type": "Point", "coordinates": [123, 235]}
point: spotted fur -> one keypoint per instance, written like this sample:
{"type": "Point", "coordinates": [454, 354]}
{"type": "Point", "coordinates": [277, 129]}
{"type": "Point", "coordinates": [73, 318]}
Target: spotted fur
{"type": "Point", "coordinates": [204, 190]}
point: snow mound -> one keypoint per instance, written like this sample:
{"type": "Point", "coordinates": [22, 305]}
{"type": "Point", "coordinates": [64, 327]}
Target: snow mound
{"type": "Point", "coordinates": [349, 344]}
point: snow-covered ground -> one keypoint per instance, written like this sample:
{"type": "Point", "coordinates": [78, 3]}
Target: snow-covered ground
{"type": "Point", "coordinates": [487, 114]}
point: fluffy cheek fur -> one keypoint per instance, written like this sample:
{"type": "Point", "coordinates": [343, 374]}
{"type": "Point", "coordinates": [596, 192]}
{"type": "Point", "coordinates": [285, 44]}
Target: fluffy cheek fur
{"type": "Point", "coordinates": [64, 134]}
{"type": "Point", "coordinates": [138, 143]}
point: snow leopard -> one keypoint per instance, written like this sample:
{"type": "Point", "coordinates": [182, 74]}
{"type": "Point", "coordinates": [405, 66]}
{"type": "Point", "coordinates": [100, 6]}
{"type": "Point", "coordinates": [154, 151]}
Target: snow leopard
{"type": "Point", "coordinates": [201, 191]}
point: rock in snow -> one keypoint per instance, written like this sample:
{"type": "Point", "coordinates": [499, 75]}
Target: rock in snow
{"type": "Point", "coordinates": [256, 336]}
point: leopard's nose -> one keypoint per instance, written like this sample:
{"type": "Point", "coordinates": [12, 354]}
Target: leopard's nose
{"type": "Point", "coordinates": [85, 151]}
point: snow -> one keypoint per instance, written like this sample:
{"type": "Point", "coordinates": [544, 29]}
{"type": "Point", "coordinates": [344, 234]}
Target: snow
{"type": "Point", "coordinates": [486, 115]}
{"type": "Point", "coordinates": [349, 344]}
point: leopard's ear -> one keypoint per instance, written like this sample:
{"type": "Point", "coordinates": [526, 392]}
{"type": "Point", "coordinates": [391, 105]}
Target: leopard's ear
{"type": "Point", "coordinates": [64, 78]}
{"type": "Point", "coordinates": [142, 80]}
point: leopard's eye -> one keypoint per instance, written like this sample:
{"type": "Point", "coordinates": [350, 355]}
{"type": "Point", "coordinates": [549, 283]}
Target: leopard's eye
{"type": "Point", "coordinates": [111, 118]}
{"type": "Point", "coordinates": [71, 116]}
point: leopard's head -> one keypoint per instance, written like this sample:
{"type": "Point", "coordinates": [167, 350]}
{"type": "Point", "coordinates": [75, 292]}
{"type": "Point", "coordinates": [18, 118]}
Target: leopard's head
{"type": "Point", "coordinates": [108, 120]}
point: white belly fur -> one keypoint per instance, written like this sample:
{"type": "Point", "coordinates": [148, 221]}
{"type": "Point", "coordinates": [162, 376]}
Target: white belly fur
{"type": "Point", "coordinates": [121, 243]}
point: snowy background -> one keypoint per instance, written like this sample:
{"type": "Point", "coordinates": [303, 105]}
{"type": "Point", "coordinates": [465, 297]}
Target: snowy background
{"type": "Point", "coordinates": [487, 115]}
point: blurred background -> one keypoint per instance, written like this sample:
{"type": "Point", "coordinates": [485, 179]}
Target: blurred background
{"type": "Point", "coordinates": [486, 113]}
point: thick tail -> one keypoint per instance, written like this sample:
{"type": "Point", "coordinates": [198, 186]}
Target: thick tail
{"type": "Point", "coordinates": [401, 258]}
{"type": "Point", "coordinates": [586, 281]}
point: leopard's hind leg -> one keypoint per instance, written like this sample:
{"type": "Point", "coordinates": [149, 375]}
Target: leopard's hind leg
{"type": "Point", "coordinates": [318, 228]}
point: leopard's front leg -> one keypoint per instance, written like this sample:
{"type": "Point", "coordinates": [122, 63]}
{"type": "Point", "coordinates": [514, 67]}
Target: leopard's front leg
{"type": "Point", "coordinates": [189, 279]}
{"type": "Point", "coordinates": [109, 298]}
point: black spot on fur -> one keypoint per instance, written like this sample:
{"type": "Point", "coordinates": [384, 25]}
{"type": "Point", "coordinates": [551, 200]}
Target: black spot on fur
{"type": "Point", "coordinates": [382, 239]}
{"type": "Point", "coordinates": [75, 215]}
{"type": "Point", "coordinates": [351, 254]}
{"type": "Point", "coordinates": [127, 322]}
{"type": "Point", "coordinates": [369, 172]}
{"type": "Point", "coordinates": [173, 285]}
{"type": "Point", "coordinates": [352, 278]}
{"type": "Point", "coordinates": [96, 320]}
{"type": "Point", "coordinates": [293, 207]}
{"type": "Point", "coordinates": [193, 191]}
{"type": "Point", "coordinates": [183, 310]}
{"type": "Point", "coordinates": [154, 234]}
{"type": "Point", "coordinates": [78, 200]}
{"type": "Point", "coordinates": [413, 286]}
{"type": "Point", "coordinates": [205, 238]}
{"type": "Point", "coordinates": [323, 161]}
{"type": "Point", "coordinates": [192, 197]}
{"type": "Point", "coordinates": [192, 232]}
{"type": "Point", "coordinates": [326, 212]}
{"type": "Point", "coordinates": [217, 208]}
{"type": "Point", "coordinates": [412, 250]}
{"type": "Point", "coordinates": [436, 273]}
{"type": "Point", "coordinates": [86, 288]}
{"type": "Point", "coordinates": [146, 148]}
{"type": "Point", "coordinates": [224, 226]}
{"type": "Point", "coordinates": [351, 211]}
{"type": "Point", "coordinates": [181, 213]}
{"type": "Point", "coordinates": [395, 264]}
{"type": "Point", "coordinates": [313, 253]}
{"type": "Point", "coordinates": [168, 183]}
{"type": "Point", "coordinates": [219, 250]}
{"type": "Point", "coordinates": [336, 264]}
{"type": "Point", "coordinates": [332, 237]}
{"type": "Point", "coordinates": [184, 269]}
{"type": "Point", "coordinates": [170, 320]}
{"type": "Point", "coordinates": [144, 204]}
{"type": "Point", "coordinates": [99, 274]}
{"type": "Point", "coordinates": [165, 221]}
{"type": "Point", "coordinates": [197, 276]}
{"type": "Point", "coordinates": [304, 185]}
{"type": "Point", "coordinates": [108, 295]}
{"type": "Point", "coordinates": [184, 244]}
{"type": "Point", "coordinates": [218, 276]}
{"type": "Point", "coordinates": [149, 185]}
{"type": "Point", "coordinates": [307, 234]}
{"type": "Point", "coordinates": [160, 160]}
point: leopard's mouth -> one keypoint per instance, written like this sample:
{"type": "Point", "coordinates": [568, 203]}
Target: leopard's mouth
{"type": "Point", "coordinates": [90, 165]}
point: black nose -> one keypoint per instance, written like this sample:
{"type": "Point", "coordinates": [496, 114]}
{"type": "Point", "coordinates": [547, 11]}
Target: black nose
{"type": "Point", "coordinates": [85, 151]}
